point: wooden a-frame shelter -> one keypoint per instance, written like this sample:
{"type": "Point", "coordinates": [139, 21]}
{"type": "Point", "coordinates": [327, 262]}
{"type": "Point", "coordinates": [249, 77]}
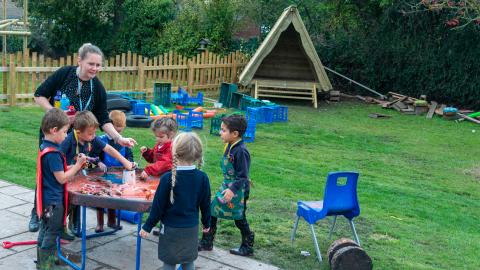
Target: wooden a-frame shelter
{"type": "Point", "coordinates": [286, 64]}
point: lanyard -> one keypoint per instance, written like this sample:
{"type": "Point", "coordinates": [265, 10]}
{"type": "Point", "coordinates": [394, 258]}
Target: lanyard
{"type": "Point", "coordinates": [79, 90]}
{"type": "Point", "coordinates": [226, 145]}
{"type": "Point", "coordinates": [76, 140]}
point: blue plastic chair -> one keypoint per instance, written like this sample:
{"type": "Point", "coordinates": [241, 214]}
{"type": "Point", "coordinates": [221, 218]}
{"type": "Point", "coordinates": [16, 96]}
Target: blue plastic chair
{"type": "Point", "coordinates": [338, 199]}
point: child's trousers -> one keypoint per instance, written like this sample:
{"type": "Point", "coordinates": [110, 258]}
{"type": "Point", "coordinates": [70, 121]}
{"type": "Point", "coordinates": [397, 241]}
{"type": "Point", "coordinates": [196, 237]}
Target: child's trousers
{"type": "Point", "coordinates": [51, 226]}
{"type": "Point", "coordinates": [242, 224]}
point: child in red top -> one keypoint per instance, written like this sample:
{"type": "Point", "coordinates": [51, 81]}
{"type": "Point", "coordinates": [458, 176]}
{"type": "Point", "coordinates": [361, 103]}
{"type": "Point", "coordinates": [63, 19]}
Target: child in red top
{"type": "Point", "coordinates": [160, 157]}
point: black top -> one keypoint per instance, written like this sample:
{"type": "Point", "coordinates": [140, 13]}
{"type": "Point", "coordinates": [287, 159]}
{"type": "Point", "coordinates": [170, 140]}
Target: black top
{"type": "Point", "coordinates": [240, 158]}
{"type": "Point", "coordinates": [91, 149]}
{"type": "Point", "coordinates": [191, 192]}
{"type": "Point", "coordinates": [66, 80]}
{"type": "Point", "coordinates": [52, 190]}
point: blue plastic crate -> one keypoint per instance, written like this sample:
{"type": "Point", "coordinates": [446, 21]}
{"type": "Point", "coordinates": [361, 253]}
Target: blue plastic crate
{"type": "Point", "coordinates": [249, 135]}
{"type": "Point", "coordinates": [162, 93]}
{"type": "Point", "coordinates": [141, 108]}
{"type": "Point", "coordinates": [261, 114]}
{"type": "Point", "coordinates": [198, 100]}
{"type": "Point", "coordinates": [280, 113]}
{"type": "Point", "coordinates": [183, 121]}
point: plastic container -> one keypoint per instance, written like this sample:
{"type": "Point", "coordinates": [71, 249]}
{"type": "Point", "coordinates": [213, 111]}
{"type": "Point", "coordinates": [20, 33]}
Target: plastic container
{"type": "Point", "coordinates": [64, 102]}
{"type": "Point", "coordinates": [71, 110]}
{"type": "Point", "coordinates": [129, 177]}
{"type": "Point", "coordinates": [56, 99]}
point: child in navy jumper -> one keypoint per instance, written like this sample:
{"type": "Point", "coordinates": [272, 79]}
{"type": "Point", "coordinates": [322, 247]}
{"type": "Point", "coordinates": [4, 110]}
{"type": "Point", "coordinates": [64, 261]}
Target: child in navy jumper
{"type": "Point", "coordinates": [176, 204]}
{"type": "Point", "coordinates": [119, 121]}
{"type": "Point", "coordinates": [230, 202]}
{"type": "Point", "coordinates": [83, 140]}
{"type": "Point", "coordinates": [52, 194]}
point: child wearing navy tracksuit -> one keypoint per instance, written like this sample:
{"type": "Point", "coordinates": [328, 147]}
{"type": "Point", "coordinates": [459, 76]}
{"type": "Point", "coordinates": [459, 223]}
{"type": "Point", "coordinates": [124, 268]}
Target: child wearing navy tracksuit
{"type": "Point", "coordinates": [52, 177]}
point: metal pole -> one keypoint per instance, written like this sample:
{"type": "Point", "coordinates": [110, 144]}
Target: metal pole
{"type": "Point", "coordinates": [355, 82]}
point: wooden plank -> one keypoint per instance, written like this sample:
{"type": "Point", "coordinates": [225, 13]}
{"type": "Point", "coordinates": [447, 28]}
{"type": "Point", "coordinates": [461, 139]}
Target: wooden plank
{"type": "Point", "coordinates": [305, 93]}
{"type": "Point", "coordinates": [111, 63]}
{"type": "Point", "coordinates": [117, 74]}
{"type": "Point", "coordinates": [13, 98]}
{"type": "Point", "coordinates": [34, 75]}
{"type": "Point", "coordinates": [19, 75]}
{"type": "Point", "coordinates": [129, 73]}
{"type": "Point", "coordinates": [289, 97]}
{"type": "Point", "coordinates": [135, 75]}
{"type": "Point", "coordinates": [469, 118]}
{"type": "Point", "coordinates": [123, 78]}
{"type": "Point", "coordinates": [4, 80]}
{"type": "Point", "coordinates": [26, 77]}
{"type": "Point", "coordinates": [431, 110]}
{"type": "Point", "coordinates": [439, 110]}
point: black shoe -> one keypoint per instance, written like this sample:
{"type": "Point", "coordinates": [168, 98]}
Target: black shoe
{"type": "Point", "coordinates": [246, 248]}
{"type": "Point", "coordinates": [34, 224]}
{"type": "Point", "coordinates": [67, 236]}
{"type": "Point", "coordinates": [206, 243]}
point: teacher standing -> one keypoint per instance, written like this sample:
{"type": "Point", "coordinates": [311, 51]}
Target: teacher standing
{"type": "Point", "coordinates": [85, 92]}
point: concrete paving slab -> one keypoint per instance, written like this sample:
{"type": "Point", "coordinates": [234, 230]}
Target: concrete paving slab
{"type": "Point", "coordinates": [24, 209]}
{"type": "Point", "coordinates": [27, 236]}
{"type": "Point", "coordinates": [121, 254]}
{"type": "Point", "coordinates": [203, 263]}
{"type": "Point", "coordinates": [4, 253]}
{"type": "Point", "coordinates": [9, 201]}
{"type": "Point", "coordinates": [23, 260]}
{"type": "Point", "coordinates": [223, 256]}
{"type": "Point", "coordinates": [4, 183]}
{"type": "Point", "coordinates": [27, 196]}
{"type": "Point", "coordinates": [14, 190]}
{"type": "Point", "coordinates": [12, 224]}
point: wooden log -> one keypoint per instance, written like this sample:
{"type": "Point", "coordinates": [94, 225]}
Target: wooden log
{"type": "Point", "coordinates": [469, 118]}
{"type": "Point", "coordinates": [361, 98]}
{"type": "Point", "coordinates": [431, 110]}
{"type": "Point", "coordinates": [338, 244]}
{"type": "Point", "coordinates": [439, 110]}
{"type": "Point", "coordinates": [378, 115]}
{"type": "Point", "coordinates": [351, 257]}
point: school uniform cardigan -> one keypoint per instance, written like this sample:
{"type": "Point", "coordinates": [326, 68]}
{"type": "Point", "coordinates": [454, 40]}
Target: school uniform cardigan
{"type": "Point", "coordinates": [66, 80]}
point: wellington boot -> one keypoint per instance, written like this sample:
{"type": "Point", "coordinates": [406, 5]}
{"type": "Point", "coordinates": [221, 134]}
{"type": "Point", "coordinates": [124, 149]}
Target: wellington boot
{"type": "Point", "coordinates": [34, 224]}
{"type": "Point", "coordinates": [112, 219]}
{"type": "Point", "coordinates": [246, 248]}
{"type": "Point", "coordinates": [100, 220]}
{"type": "Point", "coordinates": [206, 243]}
{"type": "Point", "coordinates": [46, 259]}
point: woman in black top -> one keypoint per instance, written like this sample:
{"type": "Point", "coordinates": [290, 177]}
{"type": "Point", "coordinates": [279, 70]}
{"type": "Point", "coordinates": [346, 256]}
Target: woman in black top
{"type": "Point", "coordinates": [85, 92]}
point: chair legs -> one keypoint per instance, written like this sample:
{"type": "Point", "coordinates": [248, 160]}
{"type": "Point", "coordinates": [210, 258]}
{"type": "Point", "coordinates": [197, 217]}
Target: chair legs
{"type": "Point", "coordinates": [333, 227]}
{"type": "Point", "coordinates": [295, 226]}
{"type": "Point", "coordinates": [354, 231]}
{"type": "Point", "coordinates": [315, 242]}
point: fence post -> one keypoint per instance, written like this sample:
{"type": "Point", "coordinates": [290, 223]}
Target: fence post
{"type": "Point", "coordinates": [191, 73]}
{"type": "Point", "coordinates": [141, 74]}
{"type": "Point", "coordinates": [234, 68]}
{"type": "Point", "coordinates": [13, 83]}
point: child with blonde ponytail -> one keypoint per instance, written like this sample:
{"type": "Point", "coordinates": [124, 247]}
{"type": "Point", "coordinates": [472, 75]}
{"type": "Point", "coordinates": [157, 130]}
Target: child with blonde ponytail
{"type": "Point", "coordinates": [179, 197]}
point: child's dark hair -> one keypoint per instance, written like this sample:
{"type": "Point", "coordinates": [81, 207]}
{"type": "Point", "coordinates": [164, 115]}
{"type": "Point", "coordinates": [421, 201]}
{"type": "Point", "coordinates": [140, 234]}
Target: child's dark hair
{"type": "Point", "coordinates": [84, 120]}
{"type": "Point", "coordinates": [236, 122]}
{"type": "Point", "coordinates": [54, 118]}
{"type": "Point", "coordinates": [165, 125]}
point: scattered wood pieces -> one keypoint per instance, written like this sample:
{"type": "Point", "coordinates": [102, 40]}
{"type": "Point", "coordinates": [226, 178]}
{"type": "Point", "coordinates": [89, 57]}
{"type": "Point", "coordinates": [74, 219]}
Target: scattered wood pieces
{"type": "Point", "coordinates": [334, 95]}
{"type": "Point", "coordinates": [378, 115]}
{"type": "Point", "coordinates": [469, 118]}
{"type": "Point", "coordinates": [431, 110]}
{"type": "Point", "coordinates": [439, 110]}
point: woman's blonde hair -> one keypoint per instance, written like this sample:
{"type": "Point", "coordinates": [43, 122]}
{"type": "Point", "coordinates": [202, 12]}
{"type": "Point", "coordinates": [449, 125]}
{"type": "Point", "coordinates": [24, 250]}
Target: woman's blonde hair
{"type": "Point", "coordinates": [89, 48]}
{"type": "Point", "coordinates": [186, 147]}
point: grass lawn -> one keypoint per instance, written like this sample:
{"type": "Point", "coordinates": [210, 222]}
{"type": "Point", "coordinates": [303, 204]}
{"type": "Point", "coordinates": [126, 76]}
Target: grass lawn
{"type": "Point", "coordinates": [419, 185]}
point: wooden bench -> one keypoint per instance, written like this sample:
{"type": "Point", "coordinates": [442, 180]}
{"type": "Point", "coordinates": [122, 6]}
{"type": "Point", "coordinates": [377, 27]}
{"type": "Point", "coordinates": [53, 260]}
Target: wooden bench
{"type": "Point", "coordinates": [300, 90]}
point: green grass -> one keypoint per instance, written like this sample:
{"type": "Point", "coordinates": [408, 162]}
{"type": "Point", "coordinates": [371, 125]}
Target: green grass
{"type": "Point", "coordinates": [419, 186]}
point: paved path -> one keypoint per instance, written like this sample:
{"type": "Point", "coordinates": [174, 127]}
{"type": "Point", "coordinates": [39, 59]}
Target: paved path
{"type": "Point", "coordinates": [113, 252]}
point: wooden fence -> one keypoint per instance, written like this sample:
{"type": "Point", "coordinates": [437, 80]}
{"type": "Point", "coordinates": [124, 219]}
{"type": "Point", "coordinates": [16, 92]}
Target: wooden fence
{"type": "Point", "coordinates": [21, 73]}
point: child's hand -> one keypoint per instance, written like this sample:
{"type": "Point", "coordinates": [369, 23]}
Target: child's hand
{"type": "Point", "coordinates": [205, 230]}
{"type": "Point", "coordinates": [143, 149]}
{"type": "Point", "coordinates": [143, 234]}
{"type": "Point", "coordinates": [144, 175]}
{"type": "Point", "coordinates": [129, 166]}
{"type": "Point", "coordinates": [227, 195]}
{"type": "Point", "coordinates": [102, 166]}
{"type": "Point", "coordinates": [81, 159]}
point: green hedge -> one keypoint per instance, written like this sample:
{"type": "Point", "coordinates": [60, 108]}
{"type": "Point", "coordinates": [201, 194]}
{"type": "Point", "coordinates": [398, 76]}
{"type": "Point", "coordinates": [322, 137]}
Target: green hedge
{"type": "Point", "coordinates": [412, 54]}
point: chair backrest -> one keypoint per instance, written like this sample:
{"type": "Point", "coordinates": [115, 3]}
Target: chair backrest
{"type": "Point", "coordinates": [340, 198]}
